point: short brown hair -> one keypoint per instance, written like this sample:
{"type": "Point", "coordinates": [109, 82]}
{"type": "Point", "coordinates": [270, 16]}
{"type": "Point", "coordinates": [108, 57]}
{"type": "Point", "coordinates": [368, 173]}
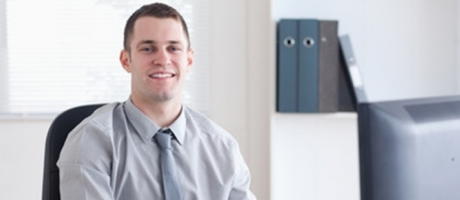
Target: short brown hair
{"type": "Point", "coordinates": [157, 10]}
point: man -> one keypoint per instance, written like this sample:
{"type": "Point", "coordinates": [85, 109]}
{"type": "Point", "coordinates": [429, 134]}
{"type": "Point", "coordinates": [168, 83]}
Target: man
{"type": "Point", "coordinates": [119, 153]}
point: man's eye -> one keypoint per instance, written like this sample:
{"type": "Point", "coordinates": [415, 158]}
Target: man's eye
{"type": "Point", "coordinates": [146, 49]}
{"type": "Point", "coordinates": [174, 48]}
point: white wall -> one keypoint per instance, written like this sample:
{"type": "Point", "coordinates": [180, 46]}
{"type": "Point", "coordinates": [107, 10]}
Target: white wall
{"type": "Point", "coordinates": [22, 145]}
{"type": "Point", "coordinates": [240, 81]}
{"type": "Point", "coordinates": [405, 49]}
{"type": "Point", "coordinates": [458, 48]}
{"type": "Point", "coordinates": [2, 50]}
{"type": "Point", "coordinates": [314, 157]}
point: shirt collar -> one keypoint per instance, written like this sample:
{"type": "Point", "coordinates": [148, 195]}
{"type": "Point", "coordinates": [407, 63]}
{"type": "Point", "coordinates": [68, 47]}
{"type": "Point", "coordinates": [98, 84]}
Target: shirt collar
{"type": "Point", "coordinates": [178, 127]}
{"type": "Point", "coordinates": [147, 128]}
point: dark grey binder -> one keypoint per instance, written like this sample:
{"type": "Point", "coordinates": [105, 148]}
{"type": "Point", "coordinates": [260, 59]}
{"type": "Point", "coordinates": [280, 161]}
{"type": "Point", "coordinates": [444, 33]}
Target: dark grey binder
{"type": "Point", "coordinates": [329, 62]}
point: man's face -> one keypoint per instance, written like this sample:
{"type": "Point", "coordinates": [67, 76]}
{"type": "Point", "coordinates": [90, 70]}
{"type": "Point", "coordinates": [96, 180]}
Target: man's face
{"type": "Point", "coordinates": [159, 60]}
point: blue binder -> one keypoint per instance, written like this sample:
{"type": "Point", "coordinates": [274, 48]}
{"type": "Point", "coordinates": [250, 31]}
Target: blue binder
{"type": "Point", "coordinates": [307, 66]}
{"type": "Point", "coordinates": [287, 45]}
{"type": "Point", "coordinates": [308, 62]}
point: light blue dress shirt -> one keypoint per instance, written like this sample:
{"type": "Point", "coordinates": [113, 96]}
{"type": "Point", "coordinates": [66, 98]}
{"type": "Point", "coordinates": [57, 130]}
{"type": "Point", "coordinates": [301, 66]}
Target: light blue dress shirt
{"type": "Point", "coordinates": [112, 155]}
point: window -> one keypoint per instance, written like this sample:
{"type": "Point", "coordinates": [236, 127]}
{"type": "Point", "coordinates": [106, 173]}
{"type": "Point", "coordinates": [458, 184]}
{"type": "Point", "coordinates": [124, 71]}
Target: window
{"type": "Point", "coordinates": [57, 54]}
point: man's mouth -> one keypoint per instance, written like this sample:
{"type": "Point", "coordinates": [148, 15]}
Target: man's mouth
{"type": "Point", "coordinates": [162, 75]}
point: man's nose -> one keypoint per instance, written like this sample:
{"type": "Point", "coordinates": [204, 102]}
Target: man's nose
{"type": "Point", "coordinates": [162, 58]}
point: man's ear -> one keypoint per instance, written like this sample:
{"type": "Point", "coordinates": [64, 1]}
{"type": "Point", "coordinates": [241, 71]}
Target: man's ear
{"type": "Point", "coordinates": [189, 59]}
{"type": "Point", "coordinates": [125, 60]}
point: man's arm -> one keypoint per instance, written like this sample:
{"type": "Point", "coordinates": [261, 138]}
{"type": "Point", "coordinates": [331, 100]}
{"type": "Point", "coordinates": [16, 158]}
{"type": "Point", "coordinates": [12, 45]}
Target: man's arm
{"type": "Point", "coordinates": [85, 163]}
{"type": "Point", "coordinates": [240, 189]}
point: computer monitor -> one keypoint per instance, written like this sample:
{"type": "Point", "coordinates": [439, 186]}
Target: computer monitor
{"type": "Point", "coordinates": [410, 149]}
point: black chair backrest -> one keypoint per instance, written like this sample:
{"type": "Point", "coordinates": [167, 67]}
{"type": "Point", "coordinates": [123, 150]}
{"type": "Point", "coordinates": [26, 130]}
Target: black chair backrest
{"type": "Point", "coordinates": [57, 134]}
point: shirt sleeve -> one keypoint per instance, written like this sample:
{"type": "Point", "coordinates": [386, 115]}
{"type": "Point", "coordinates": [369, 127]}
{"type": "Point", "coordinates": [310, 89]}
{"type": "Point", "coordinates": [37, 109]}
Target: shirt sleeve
{"type": "Point", "coordinates": [240, 189]}
{"type": "Point", "coordinates": [84, 163]}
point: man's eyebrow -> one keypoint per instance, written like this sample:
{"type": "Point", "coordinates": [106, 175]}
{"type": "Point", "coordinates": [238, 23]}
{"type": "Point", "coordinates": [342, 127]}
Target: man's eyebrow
{"type": "Point", "coordinates": [152, 42]}
{"type": "Point", "coordinates": [174, 42]}
{"type": "Point", "coordinates": [142, 42]}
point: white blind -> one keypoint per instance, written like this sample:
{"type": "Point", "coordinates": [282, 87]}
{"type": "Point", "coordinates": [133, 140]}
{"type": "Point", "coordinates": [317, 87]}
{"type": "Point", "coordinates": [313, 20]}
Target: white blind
{"type": "Point", "coordinates": [58, 54]}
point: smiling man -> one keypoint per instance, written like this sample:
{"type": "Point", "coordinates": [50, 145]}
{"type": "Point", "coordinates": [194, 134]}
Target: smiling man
{"type": "Point", "coordinates": [152, 146]}
{"type": "Point", "coordinates": [158, 56]}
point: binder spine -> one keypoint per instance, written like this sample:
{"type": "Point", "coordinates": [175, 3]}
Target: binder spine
{"type": "Point", "coordinates": [352, 69]}
{"type": "Point", "coordinates": [287, 98]}
{"type": "Point", "coordinates": [329, 61]}
{"type": "Point", "coordinates": [308, 65]}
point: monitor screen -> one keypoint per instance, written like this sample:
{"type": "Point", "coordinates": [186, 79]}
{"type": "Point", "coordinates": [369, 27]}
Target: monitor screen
{"type": "Point", "coordinates": [410, 149]}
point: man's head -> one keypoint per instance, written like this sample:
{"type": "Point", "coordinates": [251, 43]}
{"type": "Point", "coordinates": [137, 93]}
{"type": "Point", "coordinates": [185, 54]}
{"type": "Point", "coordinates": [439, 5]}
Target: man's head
{"type": "Point", "coordinates": [157, 53]}
{"type": "Point", "coordinates": [157, 10]}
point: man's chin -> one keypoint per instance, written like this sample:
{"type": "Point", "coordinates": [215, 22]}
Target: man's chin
{"type": "Point", "coordinates": [162, 97]}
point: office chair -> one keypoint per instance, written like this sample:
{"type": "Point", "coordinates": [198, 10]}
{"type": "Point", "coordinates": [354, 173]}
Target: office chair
{"type": "Point", "coordinates": [57, 134]}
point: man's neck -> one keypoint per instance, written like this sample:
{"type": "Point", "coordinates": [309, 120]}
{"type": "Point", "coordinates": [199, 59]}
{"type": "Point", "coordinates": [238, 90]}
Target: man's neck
{"type": "Point", "coordinates": [161, 113]}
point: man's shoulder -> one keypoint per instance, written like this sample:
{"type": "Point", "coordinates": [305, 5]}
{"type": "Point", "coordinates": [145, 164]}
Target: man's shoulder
{"type": "Point", "coordinates": [207, 127]}
{"type": "Point", "coordinates": [104, 116]}
{"type": "Point", "coordinates": [206, 124]}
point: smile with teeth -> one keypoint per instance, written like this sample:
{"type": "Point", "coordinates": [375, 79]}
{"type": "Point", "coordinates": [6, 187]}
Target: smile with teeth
{"type": "Point", "coordinates": [161, 75]}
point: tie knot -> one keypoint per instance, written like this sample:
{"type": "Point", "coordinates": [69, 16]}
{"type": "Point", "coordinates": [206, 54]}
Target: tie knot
{"type": "Point", "coordinates": [163, 137]}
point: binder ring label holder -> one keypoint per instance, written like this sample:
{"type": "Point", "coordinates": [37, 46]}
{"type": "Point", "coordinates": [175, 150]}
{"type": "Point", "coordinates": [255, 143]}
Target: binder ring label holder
{"type": "Point", "coordinates": [308, 42]}
{"type": "Point", "coordinates": [289, 42]}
